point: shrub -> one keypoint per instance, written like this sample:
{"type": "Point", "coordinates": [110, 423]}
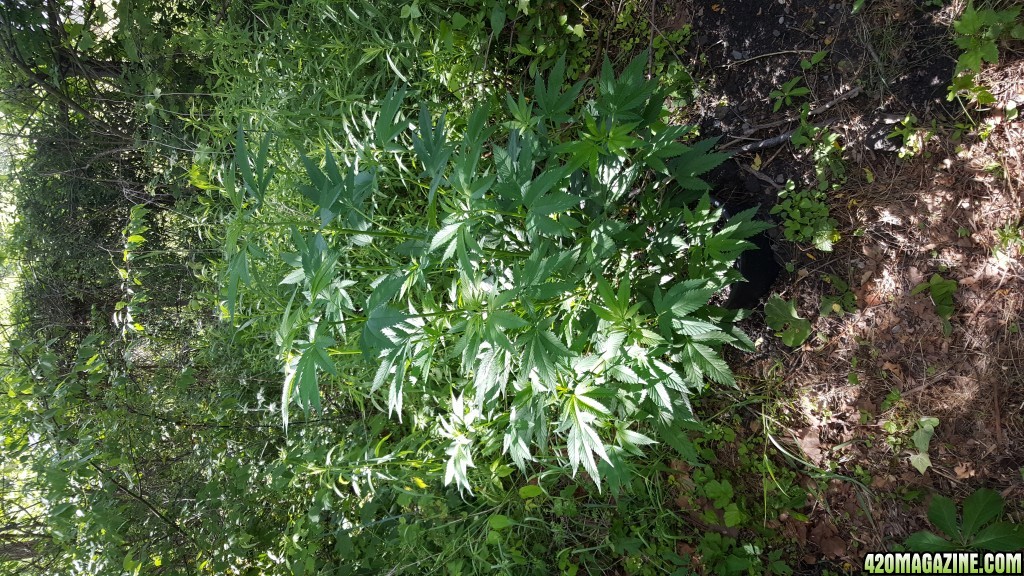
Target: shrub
{"type": "Point", "coordinates": [542, 290]}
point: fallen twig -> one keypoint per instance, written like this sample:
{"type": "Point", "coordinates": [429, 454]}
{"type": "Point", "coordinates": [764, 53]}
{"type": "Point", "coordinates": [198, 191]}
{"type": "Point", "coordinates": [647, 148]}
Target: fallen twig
{"type": "Point", "coordinates": [782, 138]}
{"type": "Point", "coordinates": [851, 93]}
{"type": "Point", "coordinates": [758, 57]}
{"type": "Point", "coordinates": [760, 176]}
{"type": "Point", "coordinates": [774, 140]}
{"type": "Point", "coordinates": [767, 143]}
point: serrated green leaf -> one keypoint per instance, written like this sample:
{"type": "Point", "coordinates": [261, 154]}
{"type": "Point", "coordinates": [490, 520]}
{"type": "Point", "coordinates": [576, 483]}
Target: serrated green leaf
{"type": "Point", "coordinates": [584, 399]}
{"type": "Point", "coordinates": [307, 392]}
{"type": "Point", "coordinates": [928, 542]}
{"type": "Point", "coordinates": [543, 183]}
{"type": "Point", "coordinates": [688, 327]}
{"type": "Point", "coordinates": [553, 203]}
{"type": "Point", "coordinates": [238, 273]}
{"type": "Point", "coordinates": [507, 320]}
{"type": "Point", "coordinates": [460, 460]}
{"type": "Point", "coordinates": [296, 276]}
{"type": "Point", "coordinates": [942, 513]}
{"type": "Point", "coordinates": [1000, 537]}
{"type": "Point", "coordinates": [635, 438]}
{"type": "Point", "coordinates": [610, 345]}
{"type": "Point", "coordinates": [384, 329]}
{"type": "Point", "coordinates": [709, 362]}
{"type": "Point", "coordinates": [675, 436]}
{"type": "Point", "coordinates": [980, 508]}
{"type": "Point", "coordinates": [583, 441]}
{"type": "Point", "coordinates": [389, 124]}
{"type": "Point", "coordinates": [491, 375]}
{"type": "Point", "coordinates": [681, 301]}
{"type": "Point", "coordinates": [445, 236]}
{"type": "Point", "coordinates": [543, 352]}
{"type": "Point", "coordinates": [732, 516]}
{"type": "Point", "coordinates": [242, 162]}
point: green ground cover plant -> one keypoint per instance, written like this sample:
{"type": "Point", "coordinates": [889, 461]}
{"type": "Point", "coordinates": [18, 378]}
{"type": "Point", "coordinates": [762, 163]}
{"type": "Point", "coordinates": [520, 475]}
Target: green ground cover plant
{"type": "Point", "coordinates": [978, 527]}
{"type": "Point", "coordinates": [805, 217]}
{"type": "Point", "coordinates": [782, 317]}
{"type": "Point", "coordinates": [978, 33]}
{"type": "Point", "coordinates": [941, 291]}
{"type": "Point", "coordinates": [788, 92]}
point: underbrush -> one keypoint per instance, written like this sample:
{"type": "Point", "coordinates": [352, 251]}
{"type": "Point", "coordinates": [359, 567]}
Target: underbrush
{"type": "Point", "coordinates": [452, 305]}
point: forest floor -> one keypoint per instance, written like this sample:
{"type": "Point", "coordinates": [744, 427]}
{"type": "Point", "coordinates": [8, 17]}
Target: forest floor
{"type": "Point", "coordinates": [846, 404]}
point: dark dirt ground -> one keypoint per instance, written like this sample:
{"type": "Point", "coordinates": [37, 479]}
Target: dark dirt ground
{"type": "Point", "coordinates": [849, 399]}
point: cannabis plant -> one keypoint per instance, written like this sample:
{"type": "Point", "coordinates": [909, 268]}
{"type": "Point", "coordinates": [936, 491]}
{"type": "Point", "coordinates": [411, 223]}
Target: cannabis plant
{"type": "Point", "coordinates": [542, 291]}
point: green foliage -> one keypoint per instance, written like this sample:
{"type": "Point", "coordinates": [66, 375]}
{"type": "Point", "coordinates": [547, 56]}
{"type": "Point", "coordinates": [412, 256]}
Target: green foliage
{"type": "Point", "coordinates": [782, 317]}
{"type": "Point", "coordinates": [912, 138]}
{"type": "Point", "coordinates": [978, 32]}
{"type": "Point", "coordinates": [892, 399]}
{"type": "Point", "coordinates": [805, 212]}
{"type": "Point", "coordinates": [977, 528]}
{"type": "Point", "coordinates": [1009, 240]}
{"type": "Point", "coordinates": [941, 291]}
{"type": "Point", "coordinates": [512, 307]}
{"type": "Point", "coordinates": [805, 217]}
{"type": "Point", "coordinates": [432, 292]}
{"type": "Point", "coordinates": [977, 35]}
{"type": "Point", "coordinates": [825, 152]}
{"type": "Point", "coordinates": [668, 67]}
{"type": "Point", "coordinates": [726, 501]}
{"type": "Point", "coordinates": [723, 555]}
{"type": "Point", "coordinates": [814, 60]}
{"type": "Point", "coordinates": [922, 438]}
{"type": "Point", "coordinates": [788, 92]}
{"type": "Point", "coordinates": [841, 300]}
{"type": "Point", "coordinates": [966, 84]}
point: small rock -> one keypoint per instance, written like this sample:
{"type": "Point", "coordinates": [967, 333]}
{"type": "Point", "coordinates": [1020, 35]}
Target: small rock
{"type": "Point", "coordinates": [776, 33]}
{"type": "Point", "coordinates": [737, 55]}
{"type": "Point", "coordinates": [780, 179]}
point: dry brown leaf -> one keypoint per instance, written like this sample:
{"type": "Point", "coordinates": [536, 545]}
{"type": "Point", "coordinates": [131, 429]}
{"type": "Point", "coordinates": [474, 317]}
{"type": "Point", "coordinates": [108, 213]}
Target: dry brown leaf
{"type": "Point", "coordinates": [810, 444]}
{"type": "Point", "coordinates": [964, 470]}
{"type": "Point", "coordinates": [825, 535]}
{"type": "Point", "coordinates": [914, 276]}
{"type": "Point", "coordinates": [834, 547]}
{"type": "Point", "coordinates": [894, 368]}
